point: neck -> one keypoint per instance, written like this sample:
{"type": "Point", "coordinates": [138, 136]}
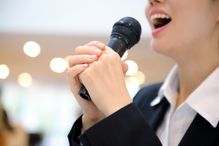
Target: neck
{"type": "Point", "coordinates": [193, 72]}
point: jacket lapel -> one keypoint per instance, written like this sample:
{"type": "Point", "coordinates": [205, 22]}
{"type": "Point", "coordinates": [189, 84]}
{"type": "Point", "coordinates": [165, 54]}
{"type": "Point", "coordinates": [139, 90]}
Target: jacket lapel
{"type": "Point", "coordinates": [153, 114]}
{"type": "Point", "coordinates": [200, 133]}
{"type": "Point", "coordinates": [157, 114]}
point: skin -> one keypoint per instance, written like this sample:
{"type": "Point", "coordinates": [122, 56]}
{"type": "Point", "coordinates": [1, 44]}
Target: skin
{"type": "Point", "coordinates": [86, 66]}
{"type": "Point", "coordinates": [102, 72]}
{"type": "Point", "coordinates": [196, 48]}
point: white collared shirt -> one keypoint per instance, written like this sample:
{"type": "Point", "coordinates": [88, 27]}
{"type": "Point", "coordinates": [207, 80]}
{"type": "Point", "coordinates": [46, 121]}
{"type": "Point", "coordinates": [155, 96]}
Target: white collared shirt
{"type": "Point", "coordinates": [204, 101]}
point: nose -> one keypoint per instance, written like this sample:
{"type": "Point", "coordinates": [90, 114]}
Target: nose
{"type": "Point", "coordinates": [152, 2]}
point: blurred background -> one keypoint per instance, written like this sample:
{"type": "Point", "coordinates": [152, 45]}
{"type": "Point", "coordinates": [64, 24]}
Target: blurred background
{"type": "Point", "coordinates": [36, 36]}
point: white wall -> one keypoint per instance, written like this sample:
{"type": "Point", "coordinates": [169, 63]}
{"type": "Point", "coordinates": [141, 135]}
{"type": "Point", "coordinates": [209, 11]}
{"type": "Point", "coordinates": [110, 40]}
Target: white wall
{"type": "Point", "coordinates": [67, 16]}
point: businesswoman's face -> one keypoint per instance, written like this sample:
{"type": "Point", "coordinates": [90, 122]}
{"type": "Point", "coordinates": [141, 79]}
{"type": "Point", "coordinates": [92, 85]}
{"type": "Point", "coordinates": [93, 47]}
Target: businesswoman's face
{"type": "Point", "coordinates": [182, 27]}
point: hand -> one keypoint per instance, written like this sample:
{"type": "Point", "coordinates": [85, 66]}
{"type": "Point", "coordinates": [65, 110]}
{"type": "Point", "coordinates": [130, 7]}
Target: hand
{"type": "Point", "coordinates": [82, 57]}
{"type": "Point", "coordinates": [104, 80]}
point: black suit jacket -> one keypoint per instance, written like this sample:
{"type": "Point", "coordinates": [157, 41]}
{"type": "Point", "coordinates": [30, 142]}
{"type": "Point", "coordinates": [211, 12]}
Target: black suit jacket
{"type": "Point", "coordinates": [136, 124]}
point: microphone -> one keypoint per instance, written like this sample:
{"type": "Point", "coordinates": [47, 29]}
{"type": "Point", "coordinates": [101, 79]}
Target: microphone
{"type": "Point", "coordinates": [125, 34]}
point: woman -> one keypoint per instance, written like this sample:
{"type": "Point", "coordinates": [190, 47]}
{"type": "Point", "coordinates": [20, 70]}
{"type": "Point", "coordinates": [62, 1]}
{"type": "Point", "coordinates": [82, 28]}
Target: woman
{"type": "Point", "coordinates": [182, 111]}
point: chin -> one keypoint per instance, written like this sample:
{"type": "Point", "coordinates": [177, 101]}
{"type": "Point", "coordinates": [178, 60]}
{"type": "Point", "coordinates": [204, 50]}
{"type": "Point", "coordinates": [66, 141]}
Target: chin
{"type": "Point", "coordinates": [160, 48]}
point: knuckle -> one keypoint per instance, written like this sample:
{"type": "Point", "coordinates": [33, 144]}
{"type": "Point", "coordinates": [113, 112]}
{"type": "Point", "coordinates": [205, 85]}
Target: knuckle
{"type": "Point", "coordinates": [112, 57]}
{"type": "Point", "coordinates": [77, 49]}
{"type": "Point", "coordinates": [74, 71]}
{"type": "Point", "coordinates": [116, 55]}
{"type": "Point", "coordinates": [94, 42]}
{"type": "Point", "coordinates": [102, 45]}
{"type": "Point", "coordinates": [97, 44]}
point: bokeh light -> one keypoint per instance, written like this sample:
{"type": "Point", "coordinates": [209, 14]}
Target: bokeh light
{"type": "Point", "coordinates": [140, 76]}
{"type": "Point", "coordinates": [58, 65]}
{"type": "Point", "coordinates": [132, 67]}
{"type": "Point", "coordinates": [24, 79]}
{"type": "Point", "coordinates": [31, 49]}
{"type": "Point", "coordinates": [4, 71]}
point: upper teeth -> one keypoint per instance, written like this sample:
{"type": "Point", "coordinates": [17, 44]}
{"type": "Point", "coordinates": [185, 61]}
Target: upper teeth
{"type": "Point", "coordinates": [156, 16]}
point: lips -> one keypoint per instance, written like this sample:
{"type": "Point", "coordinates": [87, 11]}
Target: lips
{"type": "Point", "coordinates": [159, 18]}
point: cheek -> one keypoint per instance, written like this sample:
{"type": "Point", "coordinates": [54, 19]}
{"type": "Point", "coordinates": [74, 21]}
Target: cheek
{"type": "Point", "coordinates": [197, 30]}
{"type": "Point", "coordinates": [197, 21]}
{"type": "Point", "coordinates": [162, 46]}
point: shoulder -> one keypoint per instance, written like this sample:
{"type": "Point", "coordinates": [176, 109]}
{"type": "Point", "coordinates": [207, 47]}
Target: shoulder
{"type": "Point", "coordinates": [146, 94]}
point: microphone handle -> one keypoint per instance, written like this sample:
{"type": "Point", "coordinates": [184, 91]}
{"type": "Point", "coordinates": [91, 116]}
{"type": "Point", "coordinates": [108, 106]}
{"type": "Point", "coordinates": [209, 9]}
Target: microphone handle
{"type": "Point", "coordinates": [118, 45]}
{"type": "Point", "coordinates": [84, 93]}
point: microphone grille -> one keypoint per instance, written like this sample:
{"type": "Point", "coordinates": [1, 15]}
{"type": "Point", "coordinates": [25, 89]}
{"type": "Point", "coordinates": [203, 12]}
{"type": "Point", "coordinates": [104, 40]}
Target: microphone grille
{"type": "Point", "coordinates": [127, 29]}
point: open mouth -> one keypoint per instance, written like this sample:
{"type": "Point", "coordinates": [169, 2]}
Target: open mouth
{"type": "Point", "coordinates": [160, 20]}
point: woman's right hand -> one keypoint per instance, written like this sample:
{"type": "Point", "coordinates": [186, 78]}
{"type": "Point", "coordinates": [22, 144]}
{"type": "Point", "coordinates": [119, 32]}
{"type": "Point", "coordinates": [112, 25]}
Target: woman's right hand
{"type": "Point", "coordinates": [78, 62]}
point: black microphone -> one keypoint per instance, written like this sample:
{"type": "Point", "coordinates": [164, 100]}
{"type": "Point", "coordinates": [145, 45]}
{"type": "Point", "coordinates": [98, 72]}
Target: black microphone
{"type": "Point", "coordinates": [125, 34]}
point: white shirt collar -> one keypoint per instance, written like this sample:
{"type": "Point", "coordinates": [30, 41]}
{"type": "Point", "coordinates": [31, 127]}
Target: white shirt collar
{"type": "Point", "coordinates": [169, 87]}
{"type": "Point", "coordinates": [204, 100]}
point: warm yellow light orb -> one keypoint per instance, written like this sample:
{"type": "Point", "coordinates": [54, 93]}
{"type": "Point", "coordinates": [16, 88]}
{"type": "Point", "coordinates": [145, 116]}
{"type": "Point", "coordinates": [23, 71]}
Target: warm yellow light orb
{"type": "Point", "coordinates": [31, 49]}
{"type": "Point", "coordinates": [4, 71]}
{"type": "Point", "coordinates": [24, 79]}
{"type": "Point", "coordinates": [132, 67]}
{"type": "Point", "coordinates": [58, 65]}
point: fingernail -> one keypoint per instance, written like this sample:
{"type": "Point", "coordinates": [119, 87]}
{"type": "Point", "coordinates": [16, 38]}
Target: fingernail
{"type": "Point", "coordinates": [96, 50]}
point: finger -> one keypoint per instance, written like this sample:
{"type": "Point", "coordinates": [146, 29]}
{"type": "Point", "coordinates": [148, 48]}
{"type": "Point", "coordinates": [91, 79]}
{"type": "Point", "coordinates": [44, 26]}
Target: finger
{"type": "Point", "coordinates": [73, 79]}
{"type": "Point", "coordinates": [97, 44]}
{"type": "Point", "coordinates": [108, 50]}
{"type": "Point", "coordinates": [81, 59]}
{"type": "Point", "coordinates": [94, 47]}
{"type": "Point", "coordinates": [89, 50]}
{"type": "Point", "coordinates": [74, 71]}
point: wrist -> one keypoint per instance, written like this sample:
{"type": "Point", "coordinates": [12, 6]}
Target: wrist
{"type": "Point", "coordinates": [88, 122]}
{"type": "Point", "coordinates": [117, 106]}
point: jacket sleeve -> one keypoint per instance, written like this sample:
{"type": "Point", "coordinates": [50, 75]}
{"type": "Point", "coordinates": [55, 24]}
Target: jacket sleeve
{"type": "Point", "coordinates": [73, 136]}
{"type": "Point", "coordinates": [126, 127]}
